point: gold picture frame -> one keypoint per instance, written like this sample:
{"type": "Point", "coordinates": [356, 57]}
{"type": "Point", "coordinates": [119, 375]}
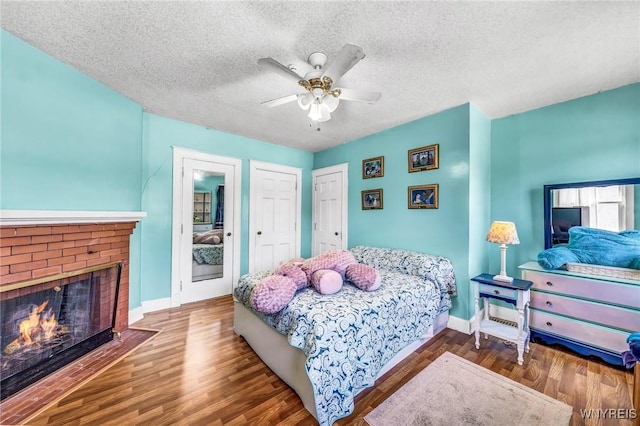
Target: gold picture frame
{"type": "Point", "coordinates": [373, 167]}
{"type": "Point", "coordinates": [424, 158]}
{"type": "Point", "coordinates": [423, 196]}
{"type": "Point", "coordinates": [372, 199]}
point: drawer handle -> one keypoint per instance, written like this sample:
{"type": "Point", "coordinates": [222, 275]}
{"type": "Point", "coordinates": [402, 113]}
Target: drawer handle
{"type": "Point", "coordinates": [549, 304]}
{"type": "Point", "coordinates": [549, 283]}
{"type": "Point", "coordinates": [549, 324]}
{"type": "Point", "coordinates": [496, 291]}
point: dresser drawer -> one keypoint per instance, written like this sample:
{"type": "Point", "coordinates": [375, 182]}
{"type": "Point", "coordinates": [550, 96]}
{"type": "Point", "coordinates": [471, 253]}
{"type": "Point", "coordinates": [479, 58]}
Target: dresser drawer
{"type": "Point", "coordinates": [592, 334]}
{"type": "Point", "coordinates": [626, 319]}
{"type": "Point", "coordinates": [505, 293]}
{"type": "Point", "coordinates": [605, 291]}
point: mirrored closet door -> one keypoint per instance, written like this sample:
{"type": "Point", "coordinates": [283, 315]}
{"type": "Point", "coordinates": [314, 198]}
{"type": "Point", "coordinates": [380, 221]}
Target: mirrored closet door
{"type": "Point", "coordinates": [207, 246]}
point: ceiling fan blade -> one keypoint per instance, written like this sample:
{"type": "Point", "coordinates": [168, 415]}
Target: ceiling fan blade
{"type": "Point", "coordinates": [279, 101]}
{"type": "Point", "coordinates": [359, 95]}
{"type": "Point", "coordinates": [277, 67]}
{"type": "Point", "coordinates": [346, 59]}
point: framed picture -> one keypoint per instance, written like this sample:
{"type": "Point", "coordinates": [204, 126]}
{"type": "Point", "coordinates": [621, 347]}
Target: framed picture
{"type": "Point", "coordinates": [423, 158]}
{"type": "Point", "coordinates": [372, 199]}
{"type": "Point", "coordinates": [423, 196]}
{"type": "Point", "coordinates": [373, 167]}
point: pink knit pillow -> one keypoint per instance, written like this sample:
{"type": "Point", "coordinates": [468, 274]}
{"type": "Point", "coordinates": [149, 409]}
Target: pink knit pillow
{"type": "Point", "coordinates": [364, 277]}
{"type": "Point", "coordinates": [295, 273]}
{"type": "Point", "coordinates": [343, 259]}
{"type": "Point", "coordinates": [336, 260]}
{"type": "Point", "coordinates": [272, 294]}
{"type": "Point", "coordinates": [326, 281]}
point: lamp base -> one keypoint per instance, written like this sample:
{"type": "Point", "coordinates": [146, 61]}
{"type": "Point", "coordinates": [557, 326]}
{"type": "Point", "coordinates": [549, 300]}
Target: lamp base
{"type": "Point", "coordinates": [503, 278]}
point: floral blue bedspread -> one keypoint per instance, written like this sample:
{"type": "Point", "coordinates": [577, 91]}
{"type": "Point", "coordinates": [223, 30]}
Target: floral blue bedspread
{"type": "Point", "coordinates": [349, 336]}
{"type": "Point", "coordinates": [210, 254]}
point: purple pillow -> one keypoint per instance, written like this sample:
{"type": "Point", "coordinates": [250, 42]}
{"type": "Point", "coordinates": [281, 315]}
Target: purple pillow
{"type": "Point", "coordinates": [272, 294]}
{"type": "Point", "coordinates": [337, 260]}
{"type": "Point", "coordinates": [364, 277]}
{"type": "Point", "coordinates": [295, 273]}
{"type": "Point", "coordinates": [326, 281]}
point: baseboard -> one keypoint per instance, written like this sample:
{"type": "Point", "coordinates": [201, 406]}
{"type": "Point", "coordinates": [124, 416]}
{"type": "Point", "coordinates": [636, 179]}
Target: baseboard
{"type": "Point", "coordinates": [466, 326]}
{"type": "Point", "coordinates": [156, 304]}
{"type": "Point", "coordinates": [459, 324]}
{"type": "Point", "coordinates": [135, 314]}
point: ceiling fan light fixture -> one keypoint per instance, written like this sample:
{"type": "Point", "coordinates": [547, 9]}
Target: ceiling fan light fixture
{"type": "Point", "coordinates": [330, 102]}
{"type": "Point", "coordinates": [315, 112]}
{"type": "Point", "coordinates": [320, 98]}
{"type": "Point", "coordinates": [319, 112]}
{"type": "Point", "coordinates": [325, 115]}
{"type": "Point", "coordinates": [305, 100]}
{"type": "Point", "coordinates": [317, 92]}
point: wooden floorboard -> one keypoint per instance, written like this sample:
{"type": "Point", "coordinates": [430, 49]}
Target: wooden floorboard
{"type": "Point", "coordinates": [198, 372]}
{"type": "Point", "coordinates": [35, 398]}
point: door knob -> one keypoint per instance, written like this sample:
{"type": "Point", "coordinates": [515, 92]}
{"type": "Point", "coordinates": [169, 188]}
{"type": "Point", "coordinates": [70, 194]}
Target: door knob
{"type": "Point", "coordinates": [259, 232]}
{"type": "Point", "coordinates": [228, 234]}
{"type": "Point", "coordinates": [336, 233]}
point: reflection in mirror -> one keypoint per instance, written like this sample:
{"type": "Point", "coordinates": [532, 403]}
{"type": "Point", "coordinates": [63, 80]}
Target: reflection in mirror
{"type": "Point", "coordinates": [208, 225]}
{"type": "Point", "coordinates": [610, 205]}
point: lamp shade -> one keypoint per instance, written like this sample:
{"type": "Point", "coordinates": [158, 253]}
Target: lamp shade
{"type": "Point", "coordinates": [305, 100]}
{"type": "Point", "coordinates": [330, 102]}
{"type": "Point", "coordinates": [503, 233]}
{"type": "Point", "coordinates": [319, 112]}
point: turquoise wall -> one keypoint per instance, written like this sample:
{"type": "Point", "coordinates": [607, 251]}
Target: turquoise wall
{"type": "Point", "coordinates": [591, 138]}
{"type": "Point", "coordinates": [160, 134]}
{"type": "Point", "coordinates": [479, 194]}
{"type": "Point", "coordinates": [68, 142]}
{"type": "Point", "coordinates": [636, 207]}
{"type": "Point", "coordinates": [443, 231]}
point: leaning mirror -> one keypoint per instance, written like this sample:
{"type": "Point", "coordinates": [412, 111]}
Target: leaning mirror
{"type": "Point", "coordinates": [613, 205]}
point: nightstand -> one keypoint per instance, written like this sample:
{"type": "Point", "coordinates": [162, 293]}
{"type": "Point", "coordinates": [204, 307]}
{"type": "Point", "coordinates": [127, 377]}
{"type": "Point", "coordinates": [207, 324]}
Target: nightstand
{"type": "Point", "coordinates": [515, 293]}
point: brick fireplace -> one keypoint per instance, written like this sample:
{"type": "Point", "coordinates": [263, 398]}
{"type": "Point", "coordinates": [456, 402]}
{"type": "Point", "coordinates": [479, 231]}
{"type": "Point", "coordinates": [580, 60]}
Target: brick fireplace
{"type": "Point", "coordinates": [40, 250]}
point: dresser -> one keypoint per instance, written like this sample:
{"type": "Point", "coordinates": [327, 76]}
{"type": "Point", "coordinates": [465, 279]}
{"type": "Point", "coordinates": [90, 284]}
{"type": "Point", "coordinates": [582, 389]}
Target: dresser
{"type": "Point", "coordinates": [592, 315]}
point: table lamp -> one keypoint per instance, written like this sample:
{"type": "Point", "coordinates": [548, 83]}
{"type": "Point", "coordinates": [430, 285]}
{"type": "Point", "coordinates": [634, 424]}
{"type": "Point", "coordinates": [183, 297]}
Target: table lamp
{"type": "Point", "coordinates": [503, 233]}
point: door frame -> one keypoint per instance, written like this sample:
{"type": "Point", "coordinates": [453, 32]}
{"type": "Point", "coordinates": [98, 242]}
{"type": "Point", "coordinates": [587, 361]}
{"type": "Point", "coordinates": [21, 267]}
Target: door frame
{"type": "Point", "coordinates": [254, 166]}
{"type": "Point", "coordinates": [344, 168]}
{"type": "Point", "coordinates": [179, 155]}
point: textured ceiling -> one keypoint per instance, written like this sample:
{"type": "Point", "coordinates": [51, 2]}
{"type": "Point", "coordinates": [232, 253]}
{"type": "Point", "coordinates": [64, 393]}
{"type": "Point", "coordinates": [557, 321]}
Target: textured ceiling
{"type": "Point", "coordinates": [196, 61]}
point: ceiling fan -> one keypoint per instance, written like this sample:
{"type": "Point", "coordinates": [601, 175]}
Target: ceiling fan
{"type": "Point", "coordinates": [320, 97]}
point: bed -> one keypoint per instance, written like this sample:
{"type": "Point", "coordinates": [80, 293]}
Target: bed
{"type": "Point", "coordinates": [207, 254]}
{"type": "Point", "coordinates": [330, 347]}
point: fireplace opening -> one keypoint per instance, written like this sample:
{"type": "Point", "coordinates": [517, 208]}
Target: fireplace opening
{"type": "Point", "coordinates": [48, 323]}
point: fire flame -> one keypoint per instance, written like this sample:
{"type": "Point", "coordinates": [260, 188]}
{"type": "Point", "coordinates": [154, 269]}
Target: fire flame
{"type": "Point", "coordinates": [38, 326]}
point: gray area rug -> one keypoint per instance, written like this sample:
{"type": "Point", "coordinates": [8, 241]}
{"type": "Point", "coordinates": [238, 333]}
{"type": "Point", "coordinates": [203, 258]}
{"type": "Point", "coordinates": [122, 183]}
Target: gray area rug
{"type": "Point", "coordinates": [454, 391]}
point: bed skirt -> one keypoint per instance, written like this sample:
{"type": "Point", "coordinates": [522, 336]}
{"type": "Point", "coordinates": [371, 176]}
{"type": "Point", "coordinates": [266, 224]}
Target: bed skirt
{"type": "Point", "coordinates": [288, 362]}
{"type": "Point", "coordinates": [205, 272]}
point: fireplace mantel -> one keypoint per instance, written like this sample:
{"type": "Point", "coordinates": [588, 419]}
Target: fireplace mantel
{"type": "Point", "coordinates": [49, 217]}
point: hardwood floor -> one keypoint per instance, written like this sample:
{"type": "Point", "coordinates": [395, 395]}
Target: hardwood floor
{"type": "Point", "coordinates": [199, 372]}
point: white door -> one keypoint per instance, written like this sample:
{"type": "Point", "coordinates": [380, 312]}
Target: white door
{"type": "Point", "coordinates": [188, 282]}
{"type": "Point", "coordinates": [211, 275]}
{"type": "Point", "coordinates": [329, 209]}
{"type": "Point", "coordinates": [274, 218]}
